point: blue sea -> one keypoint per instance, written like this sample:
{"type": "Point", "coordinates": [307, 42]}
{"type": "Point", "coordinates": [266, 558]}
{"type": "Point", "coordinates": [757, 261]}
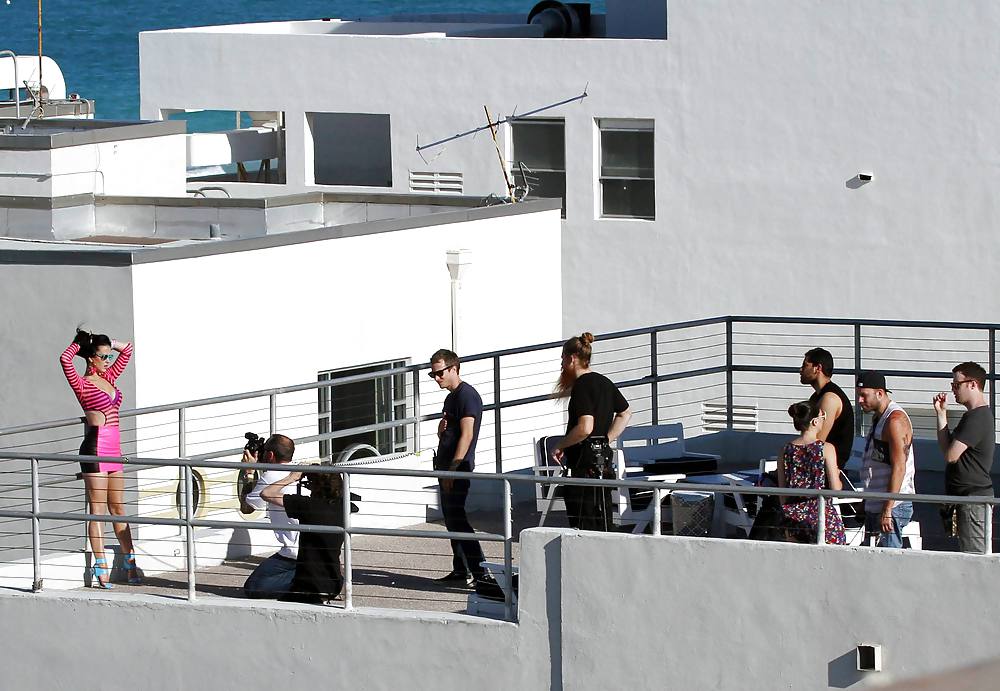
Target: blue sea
{"type": "Point", "coordinates": [96, 42]}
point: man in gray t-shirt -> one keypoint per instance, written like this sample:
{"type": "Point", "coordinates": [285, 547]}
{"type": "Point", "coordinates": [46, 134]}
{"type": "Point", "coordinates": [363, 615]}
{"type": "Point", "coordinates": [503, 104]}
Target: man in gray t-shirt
{"type": "Point", "coordinates": [968, 451]}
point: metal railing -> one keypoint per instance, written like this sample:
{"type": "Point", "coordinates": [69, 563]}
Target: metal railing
{"type": "Point", "coordinates": [189, 523]}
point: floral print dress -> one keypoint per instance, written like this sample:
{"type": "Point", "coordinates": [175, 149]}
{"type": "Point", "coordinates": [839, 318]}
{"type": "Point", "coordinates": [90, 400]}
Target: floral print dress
{"type": "Point", "coordinates": [805, 469]}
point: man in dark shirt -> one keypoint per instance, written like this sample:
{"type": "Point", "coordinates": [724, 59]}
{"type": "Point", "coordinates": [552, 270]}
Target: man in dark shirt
{"type": "Point", "coordinates": [968, 451]}
{"type": "Point", "coordinates": [838, 427]}
{"type": "Point", "coordinates": [317, 568]}
{"type": "Point", "coordinates": [458, 433]}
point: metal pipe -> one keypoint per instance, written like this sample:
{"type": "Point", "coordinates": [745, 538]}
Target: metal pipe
{"type": "Point", "coordinates": [272, 413]}
{"type": "Point", "coordinates": [988, 529]}
{"type": "Point", "coordinates": [729, 374]}
{"type": "Point", "coordinates": [189, 530]}
{"type": "Point", "coordinates": [416, 409]}
{"type": "Point", "coordinates": [348, 570]}
{"type": "Point", "coordinates": [508, 560]}
{"type": "Point", "coordinates": [17, 82]}
{"type": "Point", "coordinates": [497, 411]}
{"type": "Point", "coordinates": [36, 538]}
{"type": "Point", "coordinates": [821, 521]}
{"type": "Point", "coordinates": [656, 511]}
{"type": "Point", "coordinates": [654, 385]}
{"type": "Point", "coordinates": [857, 373]}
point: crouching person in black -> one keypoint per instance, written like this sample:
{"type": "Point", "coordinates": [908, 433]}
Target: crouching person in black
{"type": "Point", "coordinates": [598, 414]}
{"type": "Point", "coordinates": [317, 568]}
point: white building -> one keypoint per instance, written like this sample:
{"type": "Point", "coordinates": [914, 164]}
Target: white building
{"type": "Point", "coordinates": [719, 164]}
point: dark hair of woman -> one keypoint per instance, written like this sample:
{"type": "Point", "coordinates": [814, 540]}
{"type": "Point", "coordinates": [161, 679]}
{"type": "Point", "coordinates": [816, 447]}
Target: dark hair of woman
{"type": "Point", "coordinates": [802, 413]}
{"type": "Point", "coordinates": [89, 343]}
{"type": "Point", "coordinates": [324, 485]}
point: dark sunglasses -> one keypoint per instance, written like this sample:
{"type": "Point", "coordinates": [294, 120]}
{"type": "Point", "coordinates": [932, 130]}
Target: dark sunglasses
{"type": "Point", "coordinates": [107, 357]}
{"type": "Point", "coordinates": [435, 373]}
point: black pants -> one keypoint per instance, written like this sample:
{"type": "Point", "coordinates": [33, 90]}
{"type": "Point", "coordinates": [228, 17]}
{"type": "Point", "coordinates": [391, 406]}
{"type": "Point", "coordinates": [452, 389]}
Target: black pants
{"type": "Point", "coordinates": [589, 508]}
{"type": "Point", "coordinates": [466, 554]}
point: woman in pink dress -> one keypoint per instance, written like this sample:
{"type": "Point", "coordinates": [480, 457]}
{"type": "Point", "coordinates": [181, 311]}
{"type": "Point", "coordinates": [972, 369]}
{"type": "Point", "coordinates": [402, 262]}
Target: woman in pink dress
{"type": "Point", "coordinates": [809, 463]}
{"type": "Point", "coordinates": [104, 480]}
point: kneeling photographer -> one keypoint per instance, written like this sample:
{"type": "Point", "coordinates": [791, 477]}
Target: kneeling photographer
{"type": "Point", "coordinates": [274, 575]}
{"type": "Point", "coordinates": [317, 570]}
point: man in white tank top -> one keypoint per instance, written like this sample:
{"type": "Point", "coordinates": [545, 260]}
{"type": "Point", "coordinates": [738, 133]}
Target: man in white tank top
{"type": "Point", "coordinates": [888, 461]}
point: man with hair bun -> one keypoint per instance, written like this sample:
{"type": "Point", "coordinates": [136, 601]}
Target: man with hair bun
{"type": "Point", "coordinates": [598, 414]}
{"type": "Point", "coordinates": [968, 451]}
{"type": "Point", "coordinates": [888, 461]}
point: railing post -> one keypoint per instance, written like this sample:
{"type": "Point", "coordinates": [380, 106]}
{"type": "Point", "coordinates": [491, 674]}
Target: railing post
{"type": "Point", "coordinates": [729, 373]}
{"type": "Point", "coordinates": [496, 414]}
{"type": "Point", "coordinates": [36, 538]}
{"type": "Point", "coordinates": [988, 529]}
{"type": "Point", "coordinates": [993, 370]}
{"type": "Point", "coordinates": [858, 417]}
{"type": "Point", "coordinates": [348, 570]}
{"type": "Point", "coordinates": [821, 521]}
{"type": "Point", "coordinates": [181, 432]}
{"type": "Point", "coordinates": [272, 414]}
{"type": "Point", "coordinates": [654, 385]}
{"type": "Point", "coordinates": [416, 410]}
{"type": "Point", "coordinates": [189, 530]}
{"type": "Point", "coordinates": [508, 561]}
{"type": "Point", "coordinates": [656, 510]}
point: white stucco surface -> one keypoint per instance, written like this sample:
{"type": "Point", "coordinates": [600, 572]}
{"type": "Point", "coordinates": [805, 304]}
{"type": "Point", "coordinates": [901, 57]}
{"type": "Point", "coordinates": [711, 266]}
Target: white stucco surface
{"type": "Point", "coordinates": [765, 111]}
{"type": "Point", "coordinates": [596, 611]}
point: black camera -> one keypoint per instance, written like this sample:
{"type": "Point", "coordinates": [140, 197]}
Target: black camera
{"type": "Point", "coordinates": [255, 444]}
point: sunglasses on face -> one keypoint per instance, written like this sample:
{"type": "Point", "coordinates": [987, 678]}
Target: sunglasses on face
{"type": "Point", "coordinates": [956, 385]}
{"type": "Point", "coordinates": [107, 357]}
{"type": "Point", "coordinates": [436, 373]}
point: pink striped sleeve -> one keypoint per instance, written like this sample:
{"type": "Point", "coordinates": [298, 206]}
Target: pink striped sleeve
{"type": "Point", "coordinates": [66, 360]}
{"type": "Point", "coordinates": [120, 363]}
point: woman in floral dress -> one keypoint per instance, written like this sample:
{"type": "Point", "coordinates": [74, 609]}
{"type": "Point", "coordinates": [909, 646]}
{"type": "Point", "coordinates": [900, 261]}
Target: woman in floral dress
{"type": "Point", "coordinates": [809, 463]}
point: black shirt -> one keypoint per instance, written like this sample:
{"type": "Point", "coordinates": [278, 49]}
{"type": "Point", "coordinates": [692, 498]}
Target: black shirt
{"type": "Point", "coordinates": [842, 433]}
{"type": "Point", "coordinates": [596, 395]}
{"type": "Point", "coordinates": [970, 474]}
{"type": "Point", "coordinates": [317, 569]}
{"type": "Point", "coordinates": [463, 402]}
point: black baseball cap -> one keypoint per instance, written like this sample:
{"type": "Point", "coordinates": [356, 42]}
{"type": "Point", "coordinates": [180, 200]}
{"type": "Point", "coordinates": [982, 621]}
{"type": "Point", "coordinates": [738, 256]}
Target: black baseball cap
{"type": "Point", "coordinates": [872, 380]}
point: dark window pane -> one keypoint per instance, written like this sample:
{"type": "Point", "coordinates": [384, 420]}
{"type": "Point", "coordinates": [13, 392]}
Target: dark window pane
{"type": "Point", "coordinates": [628, 198]}
{"type": "Point", "coordinates": [546, 186]}
{"type": "Point", "coordinates": [351, 149]}
{"type": "Point", "coordinates": [540, 145]}
{"type": "Point", "coordinates": [627, 154]}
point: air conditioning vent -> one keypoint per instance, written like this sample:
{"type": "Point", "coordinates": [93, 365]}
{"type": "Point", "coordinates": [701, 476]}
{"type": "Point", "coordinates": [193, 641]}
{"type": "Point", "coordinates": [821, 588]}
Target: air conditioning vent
{"type": "Point", "coordinates": [713, 416]}
{"type": "Point", "coordinates": [430, 182]}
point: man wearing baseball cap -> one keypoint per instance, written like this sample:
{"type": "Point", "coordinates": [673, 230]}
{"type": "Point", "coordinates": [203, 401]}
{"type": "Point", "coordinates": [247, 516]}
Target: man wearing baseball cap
{"type": "Point", "coordinates": [887, 462]}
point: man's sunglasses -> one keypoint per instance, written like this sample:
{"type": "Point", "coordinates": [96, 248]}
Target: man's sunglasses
{"type": "Point", "coordinates": [436, 373]}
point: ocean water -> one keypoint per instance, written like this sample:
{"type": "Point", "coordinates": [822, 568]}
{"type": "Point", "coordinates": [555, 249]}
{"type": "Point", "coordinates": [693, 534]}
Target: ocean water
{"type": "Point", "coordinates": [97, 46]}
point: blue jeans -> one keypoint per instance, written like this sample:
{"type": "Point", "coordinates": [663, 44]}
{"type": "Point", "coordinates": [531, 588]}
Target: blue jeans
{"type": "Point", "coordinates": [902, 512]}
{"type": "Point", "coordinates": [272, 578]}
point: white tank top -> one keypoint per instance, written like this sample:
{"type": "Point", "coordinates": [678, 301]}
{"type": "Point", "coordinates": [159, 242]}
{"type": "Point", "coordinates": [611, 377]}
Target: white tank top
{"type": "Point", "coordinates": [876, 468]}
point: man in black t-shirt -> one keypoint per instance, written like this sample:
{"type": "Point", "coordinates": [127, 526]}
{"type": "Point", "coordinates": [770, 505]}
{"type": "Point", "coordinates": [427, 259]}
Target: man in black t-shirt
{"type": "Point", "coordinates": [838, 426]}
{"type": "Point", "coordinates": [317, 568]}
{"type": "Point", "coordinates": [968, 451]}
{"type": "Point", "coordinates": [458, 433]}
{"type": "Point", "coordinates": [598, 414]}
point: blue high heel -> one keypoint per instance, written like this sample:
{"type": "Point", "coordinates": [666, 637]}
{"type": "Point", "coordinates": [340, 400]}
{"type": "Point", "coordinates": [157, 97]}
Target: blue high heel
{"type": "Point", "coordinates": [131, 569]}
{"type": "Point", "coordinates": [101, 571]}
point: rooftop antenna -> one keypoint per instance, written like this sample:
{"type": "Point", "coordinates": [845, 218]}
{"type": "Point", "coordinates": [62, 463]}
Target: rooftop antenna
{"type": "Point", "coordinates": [41, 94]}
{"type": "Point", "coordinates": [511, 118]}
{"type": "Point", "coordinates": [496, 144]}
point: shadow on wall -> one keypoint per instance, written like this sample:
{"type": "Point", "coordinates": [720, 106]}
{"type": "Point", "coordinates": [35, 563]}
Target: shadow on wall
{"type": "Point", "coordinates": [842, 672]}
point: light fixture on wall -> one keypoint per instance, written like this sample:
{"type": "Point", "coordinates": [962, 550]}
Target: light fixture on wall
{"type": "Point", "coordinates": [869, 657]}
{"type": "Point", "coordinates": [458, 261]}
{"type": "Point", "coordinates": [865, 175]}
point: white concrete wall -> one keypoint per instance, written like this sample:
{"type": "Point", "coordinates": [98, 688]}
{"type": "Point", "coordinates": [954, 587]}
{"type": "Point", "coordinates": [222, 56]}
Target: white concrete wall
{"type": "Point", "coordinates": [596, 611]}
{"type": "Point", "coordinates": [764, 112]}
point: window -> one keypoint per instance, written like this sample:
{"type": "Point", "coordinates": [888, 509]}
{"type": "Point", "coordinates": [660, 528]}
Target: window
{"type": "Point", "coordinates": [541, 146]}
{"type": "Point", "coordinates": [627, 185]}
{"type": "Point", "coordinates": [233, 146]}
{"type": "Point", "coordinates": [351, 149]}
{"type": "Point", "coordinates": [358, 404]}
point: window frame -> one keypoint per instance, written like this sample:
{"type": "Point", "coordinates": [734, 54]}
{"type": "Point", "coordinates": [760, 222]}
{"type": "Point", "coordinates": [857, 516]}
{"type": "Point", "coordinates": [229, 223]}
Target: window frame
{"type": "Point", "coordinates": [603, 125]}
{"type": "Point", "coordinates": [512, 161]}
